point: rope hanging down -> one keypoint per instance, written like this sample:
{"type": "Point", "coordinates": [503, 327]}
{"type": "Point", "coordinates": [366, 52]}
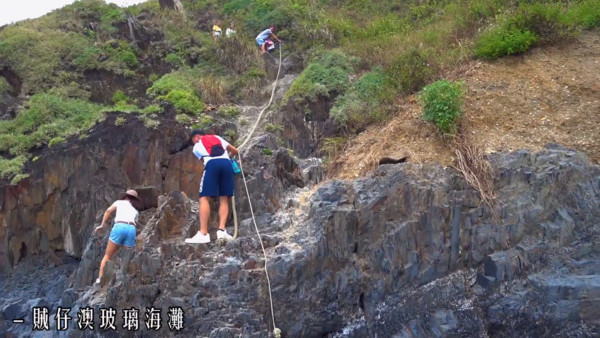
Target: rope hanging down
{"type": "Point", "coordinates": [276, 330]}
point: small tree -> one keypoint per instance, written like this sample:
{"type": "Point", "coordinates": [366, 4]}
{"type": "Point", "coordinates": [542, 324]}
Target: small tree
{"type": "Point", "coordinates": [442, 104]}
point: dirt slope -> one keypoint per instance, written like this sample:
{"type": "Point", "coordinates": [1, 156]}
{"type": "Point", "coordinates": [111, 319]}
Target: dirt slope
{"type": "Point", "coordinates": [549, 95]}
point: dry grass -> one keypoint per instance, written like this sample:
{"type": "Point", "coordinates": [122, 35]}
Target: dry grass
{"type": "Point", "coordinates": [405, 135]}
{"type": "Point", "coordinates": [477, 171]}
{"type": "Point", "coordinates": [238, 54]}
{"type": "Point", "coordinates": [212, 90]}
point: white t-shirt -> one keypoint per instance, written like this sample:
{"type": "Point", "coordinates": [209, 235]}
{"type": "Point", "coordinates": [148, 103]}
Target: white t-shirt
{"type": "Point", "coordinates": [125, 211]}
{"type": "Point", "coordinates": [229, 32]}
{"type": "Point", "coordinates": [202, 154]}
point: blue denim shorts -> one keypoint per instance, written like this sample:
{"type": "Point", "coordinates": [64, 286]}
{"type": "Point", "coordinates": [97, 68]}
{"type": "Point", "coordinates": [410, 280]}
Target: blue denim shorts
{"type": "Point", "coordinates": [123, 234]}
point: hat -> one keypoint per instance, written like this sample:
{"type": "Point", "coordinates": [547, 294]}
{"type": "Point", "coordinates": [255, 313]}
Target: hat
{"type": "Point", "coordinates": [197, 132]}
{"type": "Point", "coordinates": [131, 193]}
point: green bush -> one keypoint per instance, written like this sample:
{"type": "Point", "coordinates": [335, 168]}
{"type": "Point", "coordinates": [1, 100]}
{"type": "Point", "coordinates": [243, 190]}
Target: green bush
{"type": "Point", "coordinates": [36, 55]}
{"type": "Point", "coordinates": [520, 30]}
{"type": "Point", "coordinates": [47, 116]}
{"type": "Point", "coordinates": [150, 121]}
{"type": "Point", "coordinates": [152, 109]}
{"type": "Point", "coordinates": [584, 13]}
{"type": "Point", "coordinates": [56, 140]}
{"type": "Point", "coordinates": [11, 167]}
{"type": "Point", "coordinates": [442, 104]}
{"type": "Point", "coordinates": [88, 59]}
{"type": "Point", "coordinates": [231, 135]}
{"type": "Point", "coordinates": [261, 14]}
{"type": "Point", "coordinates": [174, 60]}
{"type": "Point", "coordinates": [183, 118]}
{"type": "Point", "coordinates": [423, 12]}
{"type": "Point", "coordinates": [70, 90]}
{"type": "Point", "coordinates": [119, 98]}
{"type": "Point", "coordinates": [180, 89]}
{"type": "Point", "coordinates": [178, 80]}
{"type": "Point", "coordinates": [82, 12]}
{"type": "Point", "coordinates": [205, 122]}
{"type": "Point", "coordinates": [230, 111]}
{"type": "Point", "coordinates": [364, 102]}
{"type": "Point", "coordinates": [184, 102]}
{"type": "Point", "coordinates": [127, 57]}
{"type": "Point", "coordinates": [502, 42]}
{"type": "Point", "coordinates": [326, 75]}
{"type": "Point", "coordinates": [409, 71]}
{"type": "Point", "coordinates": [116, 56]}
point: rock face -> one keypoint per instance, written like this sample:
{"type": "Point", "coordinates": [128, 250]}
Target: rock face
{"type": "Point", "coordinates": [305, 126]}
{"type": "Point", "coordinates": [69, 186]}
{"type": "Point", "coordinates": [408, 252]}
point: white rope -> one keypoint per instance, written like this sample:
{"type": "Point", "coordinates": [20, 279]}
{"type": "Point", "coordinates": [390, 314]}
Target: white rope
{"type": "Point", "coordinates": [267, 106]}
{"type": "Point", "coordinates": [276, 330]}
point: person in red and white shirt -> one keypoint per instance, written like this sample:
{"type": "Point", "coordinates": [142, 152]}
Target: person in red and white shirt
{"type": "Point", "coordinates": [217, 181]}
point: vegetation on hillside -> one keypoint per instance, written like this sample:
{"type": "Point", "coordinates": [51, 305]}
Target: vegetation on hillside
{"type": "Point", "coordinates": [442, 104]}
{"type": "Point", "coordinates": [361, 55]}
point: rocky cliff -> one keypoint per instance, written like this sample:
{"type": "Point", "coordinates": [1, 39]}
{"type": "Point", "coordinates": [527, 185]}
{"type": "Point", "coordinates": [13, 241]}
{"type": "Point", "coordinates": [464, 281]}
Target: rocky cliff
{"type": "Point", "coordinates": [69, 185]}
{"type": "Point", "coordinates": [407, 252]}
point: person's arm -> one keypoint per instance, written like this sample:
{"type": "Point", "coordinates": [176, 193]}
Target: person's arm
{"type": "Point", "coordinates": [232, 150]}
{"type": "Point", "coordinates": [107, 213]}
{"type": "Point", "coordinates": [276, 38]}
{"type": "Point", "coordinates": [196, 152]}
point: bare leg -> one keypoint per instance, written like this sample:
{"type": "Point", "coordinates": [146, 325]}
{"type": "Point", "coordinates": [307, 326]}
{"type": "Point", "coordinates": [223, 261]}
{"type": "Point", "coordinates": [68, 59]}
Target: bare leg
{"type": "Point", "coordinates": [223, 211]}
{"type": "Point", "coordinates": [204, 211]}
{"type": "Point", "coordinates": [111, 249]}
{"type": "Point", "coordinates": [262, 48]}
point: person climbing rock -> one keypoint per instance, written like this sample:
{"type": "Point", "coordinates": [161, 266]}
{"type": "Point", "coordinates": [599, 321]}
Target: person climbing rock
{"type": "Point", "coordinates": [216, 30]}
{"type": "Point", "coordinates": [217, 180]}
{"type": "Point", "coordinates": [123, 232]}
{"type": "Point", "coordinates": [262, 38]}
{"type": "Point", "coordinates": [230, 31]}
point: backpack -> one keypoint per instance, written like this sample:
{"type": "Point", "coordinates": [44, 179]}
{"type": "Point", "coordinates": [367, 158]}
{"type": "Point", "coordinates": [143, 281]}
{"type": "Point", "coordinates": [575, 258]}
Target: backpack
{"type": "Point", "coordinates": [213, 145]}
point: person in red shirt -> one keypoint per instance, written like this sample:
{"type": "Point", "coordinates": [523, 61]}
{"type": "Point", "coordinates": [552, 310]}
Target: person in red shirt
{"type": "Point", "coordinates": [217, 181]}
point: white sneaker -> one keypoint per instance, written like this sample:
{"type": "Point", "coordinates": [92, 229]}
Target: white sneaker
{"type": "Point", "coordinates": [97, 281]}
{"type": "Point", "coordinates": [199, 238]}
{"type": "Point", "coordinates": [222, 234]}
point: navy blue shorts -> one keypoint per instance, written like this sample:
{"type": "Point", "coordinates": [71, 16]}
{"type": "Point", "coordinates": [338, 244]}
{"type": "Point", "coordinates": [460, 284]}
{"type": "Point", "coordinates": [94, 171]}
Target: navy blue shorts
{"type": "Point", "coordinates": [217, 179]}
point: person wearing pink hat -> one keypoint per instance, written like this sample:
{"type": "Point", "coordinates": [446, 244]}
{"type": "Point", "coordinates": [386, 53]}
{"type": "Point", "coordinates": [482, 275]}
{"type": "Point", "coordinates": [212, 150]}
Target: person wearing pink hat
{"type": "Point", "coordinates": [123, 232]}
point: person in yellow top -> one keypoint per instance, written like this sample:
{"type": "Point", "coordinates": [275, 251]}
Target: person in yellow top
{"type": "Point", "coordinates": [217, 30]}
